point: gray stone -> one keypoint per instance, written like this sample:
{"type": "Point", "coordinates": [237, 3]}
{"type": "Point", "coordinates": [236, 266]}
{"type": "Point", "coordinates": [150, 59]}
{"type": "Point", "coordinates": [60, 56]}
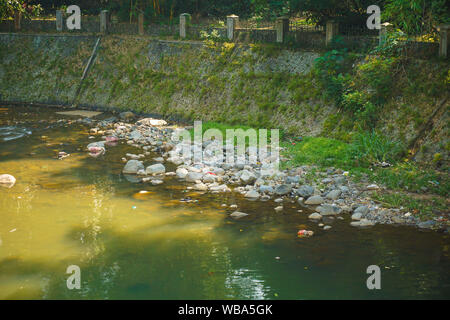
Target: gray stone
{"type": "Point", "coordinates": [238, 215]}
{"type": "Point", "coordinates": [127, 115]}
{"type": "Point", "coordinates": [182, 173]}
{"type": "Point", "coordinates": [340, 180]}
{"type": "Point", "coordinates": [315, 216]}
{"type": "Point", "coordinates": [279, 208]}
{"type": "Point", "coordinates": [305, 191]}
{"type": "Point", "coordinates": [362, 209]}
{"type": "Point", "coordinates": [265, 189]}
{"type": "Point", "coordinates": [327, 228]}
{"type": "Point", "coordinates": [252, 194]}
{"type": "Point", "coordinates": [334, 194]}
{"type": "Point", "coordinates": [314, 200]}
{"type": "Point", "coordinates": [362, 223]}
{"type": "Point", "coordinates": [200, 187]}
{"type": "Point", "coordinates": [135, 135]}
{"type": "Point", "coordinates": [98, 144]}
{"type": "Point", "coordinates": [426, 224]}
{"type": "Point", "coordinates": [156, 169]}
{"type": "Point", "coordinates": [293, 179]}
{"type": "Point", "coordinates": [133, 166]}
{"type": "Point", "coordinates": [193, 176]}
{"type": "Point", "coordinates": [247, 177]}
{"type": "Point", "coordinates": [328, 210]}
{"type": "Point", "coordinates": [283, 189]}
{"type": "Point", "coordinates": [208, 178]}
{"type": "Point", "coordinates": [357, 216]}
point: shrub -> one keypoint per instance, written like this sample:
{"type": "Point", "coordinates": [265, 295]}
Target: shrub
{"type": "Point", "coordinates": [372, 147]}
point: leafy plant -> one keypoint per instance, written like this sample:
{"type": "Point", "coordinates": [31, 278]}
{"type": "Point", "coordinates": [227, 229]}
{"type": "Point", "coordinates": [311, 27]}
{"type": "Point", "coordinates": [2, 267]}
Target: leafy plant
{"type": "Point", "coordinates": [373, 147]}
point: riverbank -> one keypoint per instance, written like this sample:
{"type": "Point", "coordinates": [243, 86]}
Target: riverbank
{"type": "Point", "coordinates": [262, 87]}
{"type": "Point", "coordinates": [326, 194]}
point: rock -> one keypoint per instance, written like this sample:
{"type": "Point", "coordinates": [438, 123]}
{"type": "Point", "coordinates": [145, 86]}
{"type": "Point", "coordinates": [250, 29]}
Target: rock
{"type": "Point", "coordinates": [219, 188]}
{"type": "Point", "coordinates": [279, 208]}
{"type": "Point", "coordinates": [200, 187]}
{"type": "Point", "coordinates": [334, 194]}
{"type": "Point", "coordinates": [156, 182]}
{"type": "Point", "coordinates": [127, 115]}
{"type": "Point", "coordinates": [300, 201]}
{"type": "Point", "coordinates": [397, 219]}
{"type": "Point", "coordinates": [328, 210]}
{"type": "Point", "coordinates": [135, 135]}
{"type": "Point", "coordinates": [362, 223]}
{"type": "Point", "coordinates": [238, 215]}
{"type": "Point", "coordinates": [327, 228]}
{"type": "Point", "coordinates": [293, 179]}
{"type": "Point", "coordinates": [182, 173]}
{"type": "Point", "coordinates": [209, 178]}
{"type": "Point", "coordinates": [151, 122]}
{"type": "Point", "coordinates": [279, 200]}
{"type": "Point", "coordinates": [314, 200]}
{"type": "Point", "coordinates": [252, 194]}
{"type": "Point", "coordinates": [156, 169]}
{"type": "Point", "coordinates": [265, 189]}
{"type": "Point", "coordinates": [247, 177]}
{"type": "Point", "coordinates": [133, 166]}
{"type": "Point", "coordinates": [305, 191]}
{"type": "Point", "coordinates": [340, 180]}
{"type": "Point", "coordinates": [357, 216]}
{"type": "Point", "coordinates": [327, 180]}
{"type": "Point", "coordinates": [158, 159]}
{"type": "Point", "coordinates": [373, 187]}
{"type": "Point", "coordinates": [362, 209]}
{"type": "Point", "coordinates": [98, 144]}
{"type": "Point", "coordinates": [426, 224]}
{"type": "Point", "coordinates": [283, 189]}
{"type": "Point", "coordinates": [7, 180]}
{"type": "Point", "coordinates": [193, 176]}
{"type": "Point", "coordinates": [315, 216]}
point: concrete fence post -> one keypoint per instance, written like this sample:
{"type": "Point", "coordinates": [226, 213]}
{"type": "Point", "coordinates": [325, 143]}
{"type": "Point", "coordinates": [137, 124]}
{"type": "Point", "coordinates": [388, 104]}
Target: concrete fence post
{"type": "Point", "coordinates": [443, 40]}
{"type": "Point", "coordinates": [104, 23]}
{"type": "Point", "coordinates": [332, 29]}
{"type": "Point", "coordinates": [17, 18]}
{"type": "Point", "coordinates": [282, 28]}
{"type": "Point", "coordinates": [232, 21]}
{"type": "Point", "coordinates": [59, 20]}
{"type": "Point", "coordinates": [384, 30]}
{"type": "Point", "coordinates": [141, 23]}
{"type": "Point", "coordinates": [184, 22]}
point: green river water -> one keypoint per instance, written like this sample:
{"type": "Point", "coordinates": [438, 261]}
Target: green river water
{"type": "Point", "coordinates": [82, 211]}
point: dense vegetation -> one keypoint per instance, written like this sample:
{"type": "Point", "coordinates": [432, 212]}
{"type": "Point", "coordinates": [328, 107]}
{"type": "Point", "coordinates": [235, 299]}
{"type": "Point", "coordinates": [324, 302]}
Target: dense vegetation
{"type": "Point", "coordinates": [412, 16]}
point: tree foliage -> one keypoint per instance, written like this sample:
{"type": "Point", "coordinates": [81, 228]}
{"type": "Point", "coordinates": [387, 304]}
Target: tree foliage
{"type": "Point", "coordinates": [417, 16]}
{"type": "Point", "coordinates": [8, 7]}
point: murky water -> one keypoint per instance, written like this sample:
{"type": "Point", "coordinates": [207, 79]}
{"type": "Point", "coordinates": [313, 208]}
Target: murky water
{"type": "Point", "coordinates": [82, 211]}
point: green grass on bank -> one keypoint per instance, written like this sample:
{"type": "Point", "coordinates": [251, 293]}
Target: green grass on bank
{"type": "Point", "coordinates": [403, 179]}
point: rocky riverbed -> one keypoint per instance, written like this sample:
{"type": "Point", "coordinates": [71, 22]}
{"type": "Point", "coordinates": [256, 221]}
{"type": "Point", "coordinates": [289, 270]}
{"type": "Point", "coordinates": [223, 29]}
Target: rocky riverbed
{"type": "Point", "coordinates": [331, 196]}
{"type": "Point", "coordinates": [330, 193]}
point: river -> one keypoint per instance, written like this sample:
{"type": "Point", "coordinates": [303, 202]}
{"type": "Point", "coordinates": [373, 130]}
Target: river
{"type": "Point", "coordinates": [130, 244]}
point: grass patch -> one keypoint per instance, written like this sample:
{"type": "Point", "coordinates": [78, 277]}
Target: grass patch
{"type": "Point", "coordinates": [317, 151]}
{"type": "Point", "coordinates": [422, 208]}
